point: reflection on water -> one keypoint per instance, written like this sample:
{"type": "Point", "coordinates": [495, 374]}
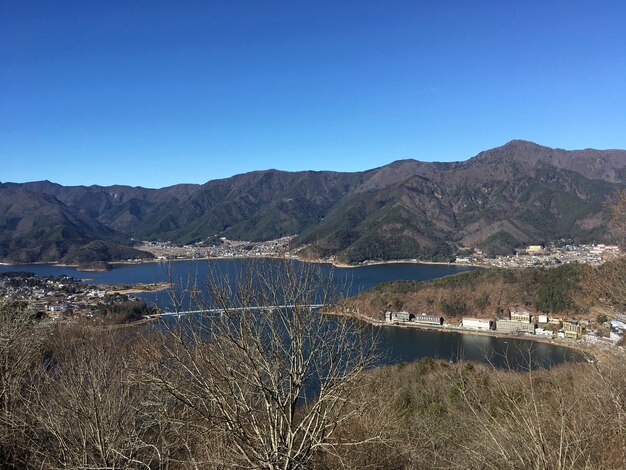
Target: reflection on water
{"type": "Point", "coordinates": [410, 344]}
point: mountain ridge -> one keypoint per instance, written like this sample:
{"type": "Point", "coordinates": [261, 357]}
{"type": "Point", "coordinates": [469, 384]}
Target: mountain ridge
{"type": "Point", "coordinates": [517, 193]}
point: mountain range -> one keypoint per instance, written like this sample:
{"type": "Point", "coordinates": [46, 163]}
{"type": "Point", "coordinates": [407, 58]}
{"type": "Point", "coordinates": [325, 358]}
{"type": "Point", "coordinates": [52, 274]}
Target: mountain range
{"type": "Point", "coordinates": [508, 196]}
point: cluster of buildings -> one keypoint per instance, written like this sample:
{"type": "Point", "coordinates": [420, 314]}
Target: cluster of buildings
{"type": "Point", "coordinates": [617, 333]}
{"type": "Point", "coordinates": [57, 296]}
{"type": "Point", "coordinates": [246, 249]}
{"type": "Point", "coordinates": [538, 255]}
{"type": "Point", "coordinates": [220, 248]}
{"type": "Point", "coordinates": [420, 319]}
{"type": "Point", "coordinates": [168, 250]}
{"type": "Point", "coordinates": [519, 321]}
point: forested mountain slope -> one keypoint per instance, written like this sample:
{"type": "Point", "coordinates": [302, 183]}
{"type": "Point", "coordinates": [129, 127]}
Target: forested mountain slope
{"type": "Point", "coordinates": [510, 195]}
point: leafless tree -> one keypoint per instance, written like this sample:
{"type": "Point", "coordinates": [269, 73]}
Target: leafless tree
{"type": "Point", "coordinates": [86, 409]}
{"type": "Point", "coordinates": [529, 420]}
{"type": "Point", "coordinates": [21, 339]}
{"type": "Point", "coordinates": [605, 388]}
{"type": "Point", "coordinates": [266, 374]}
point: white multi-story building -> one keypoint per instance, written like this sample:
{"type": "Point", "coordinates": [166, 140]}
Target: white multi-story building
{"type": "Point", "coordinates": [477, 324]}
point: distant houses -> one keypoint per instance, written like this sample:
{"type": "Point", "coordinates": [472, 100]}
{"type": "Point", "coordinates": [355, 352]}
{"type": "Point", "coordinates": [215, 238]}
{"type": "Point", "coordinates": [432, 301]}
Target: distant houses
{"type": "Point", "coordinates": [616, 335]}
{"type": "Point", "coordinates": [618, 324]}
{"type": "Point", "coordinates": [544, 332]}
{"type": "Point", "coordinates": [428, 319]}
{"type": "Point", "coordinates": [405, 317]}
{"type": "Point", "coordinates": [398, 316]}
{"type": "Point", "coordinates": [520, 321]}
{"type": "Point", "coordinates": [520, 315]}
{"type": "Point", "coordinates": [478, 324]}
{"type": "Point", "coordinates": [572, 329]}
{"type": "Point", "coordinates": [58, 308]}
{"type": "Point", "coordinates": [515, 326]}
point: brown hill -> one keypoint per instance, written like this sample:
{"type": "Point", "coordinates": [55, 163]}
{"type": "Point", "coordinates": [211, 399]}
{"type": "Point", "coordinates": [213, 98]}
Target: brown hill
{"type": "Point", "coordinates": [568, 291]}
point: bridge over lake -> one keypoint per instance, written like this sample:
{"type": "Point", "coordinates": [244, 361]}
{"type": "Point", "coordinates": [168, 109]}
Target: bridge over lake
{"type": "Point", "coordinates": [236, 309]}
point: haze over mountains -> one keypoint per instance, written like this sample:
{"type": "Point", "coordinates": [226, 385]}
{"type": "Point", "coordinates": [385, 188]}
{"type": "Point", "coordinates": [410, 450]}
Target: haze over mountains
{"type": "Point", "coordinates": [504, 197]}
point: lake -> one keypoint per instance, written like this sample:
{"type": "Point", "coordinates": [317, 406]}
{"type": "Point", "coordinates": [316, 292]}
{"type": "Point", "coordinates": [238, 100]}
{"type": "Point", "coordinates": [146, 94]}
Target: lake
{"type": "Point", "coordinates": [361, 277]}
{"type": "Point", "coordinates": [349, 280]}
{"type": "Point", "coordinates": [397, 344]}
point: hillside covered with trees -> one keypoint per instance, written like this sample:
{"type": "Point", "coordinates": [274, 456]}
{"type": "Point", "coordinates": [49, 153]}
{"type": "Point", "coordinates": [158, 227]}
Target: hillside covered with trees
{"type": "Point", "coordinates": [512, 195]}
{"type": "Point", "coordinates": [571, 290]}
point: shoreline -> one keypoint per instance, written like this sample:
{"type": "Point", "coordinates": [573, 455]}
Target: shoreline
{"type": "Point", "coordinates": [581, 347]}
{"type": "Point", "coordinates": [334, 263]}
{"type": "Point", "coordinates": [139, 288]}
{"type": "Point", "coordinates": [589, 352]}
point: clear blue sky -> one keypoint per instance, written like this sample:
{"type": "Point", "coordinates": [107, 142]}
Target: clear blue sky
{"type": "Point", "coordinates": [155, 93]}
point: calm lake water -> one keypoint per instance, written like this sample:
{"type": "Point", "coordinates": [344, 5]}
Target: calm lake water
{"type": "Point", "coordinates": [397, 344]}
